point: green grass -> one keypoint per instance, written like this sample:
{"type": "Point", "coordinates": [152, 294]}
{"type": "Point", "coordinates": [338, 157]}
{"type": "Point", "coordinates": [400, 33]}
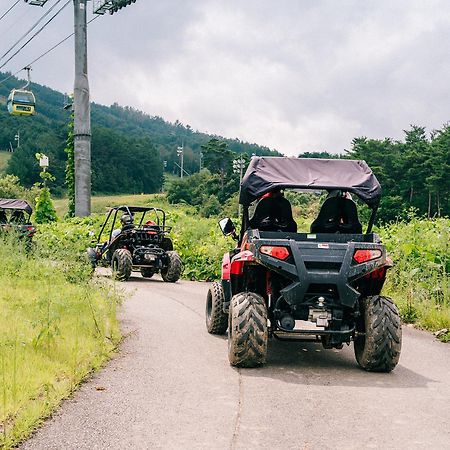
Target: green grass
{"type": "Point", "coordinates": [56, 327]}
{"type": "Point", "coordinates": [419, 281]}
{"type": "Point", "coordinates": [4, 158]}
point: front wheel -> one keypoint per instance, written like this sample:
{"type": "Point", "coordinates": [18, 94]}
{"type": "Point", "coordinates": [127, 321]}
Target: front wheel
{"type": "Point", "coordinates": [247, 330]}
{"type": "Point", "coordinates": [377, 348]}
{"type": "Point", "coordinates": [216, 319]}
{"type": "Point", "coordinates": [172, 272]}
{"type": "Point", "coordinates": [122, 263]}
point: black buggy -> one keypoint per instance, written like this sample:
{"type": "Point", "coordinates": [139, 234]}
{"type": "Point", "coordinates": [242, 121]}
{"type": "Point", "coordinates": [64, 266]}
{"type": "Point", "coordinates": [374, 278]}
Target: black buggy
{"type": "Point", "coordinates": [323, 285]}
{"type": "Point", "coordinates": [135, 238]}
{"type": "Point", "coordinates": [16, 215]}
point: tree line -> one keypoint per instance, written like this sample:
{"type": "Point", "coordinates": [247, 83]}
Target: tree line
{"type": "Point", "coordinates": [413, 172]}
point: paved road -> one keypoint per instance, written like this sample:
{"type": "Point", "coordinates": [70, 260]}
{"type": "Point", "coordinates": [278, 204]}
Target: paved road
{"type": "Point", "coordinates": [171, 387]}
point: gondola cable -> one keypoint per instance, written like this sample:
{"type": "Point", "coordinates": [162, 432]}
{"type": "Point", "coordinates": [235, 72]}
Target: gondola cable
{"type": "Point", "coordinates": [4, 14]}
{"type": "Point", "coordinates": [30, 30]}
{"type": "Point", "coordinates": [34, 35]}
{"type": "Point", "coordinates": [44, 54]}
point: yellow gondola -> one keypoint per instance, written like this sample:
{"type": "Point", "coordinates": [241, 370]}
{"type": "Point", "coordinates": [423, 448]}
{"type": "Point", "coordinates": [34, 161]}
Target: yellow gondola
{"type": "Point", "coordinates": [22, 102]}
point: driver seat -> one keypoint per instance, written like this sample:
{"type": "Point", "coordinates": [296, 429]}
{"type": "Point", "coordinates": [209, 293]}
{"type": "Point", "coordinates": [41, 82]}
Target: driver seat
{"type": "Point", "coordinates": [273, 214]}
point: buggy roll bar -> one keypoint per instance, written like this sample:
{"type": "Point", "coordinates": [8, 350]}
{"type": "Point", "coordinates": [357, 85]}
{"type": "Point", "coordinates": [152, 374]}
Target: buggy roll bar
{"type": "Point", "coordinates": [130, 210]}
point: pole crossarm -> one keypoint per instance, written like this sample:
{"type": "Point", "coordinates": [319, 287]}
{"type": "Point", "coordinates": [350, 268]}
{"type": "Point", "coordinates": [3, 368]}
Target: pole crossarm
{"type": "Point", "coordinates": [36, 2]}
{"type": "Point", "coordinates": [111, 6]}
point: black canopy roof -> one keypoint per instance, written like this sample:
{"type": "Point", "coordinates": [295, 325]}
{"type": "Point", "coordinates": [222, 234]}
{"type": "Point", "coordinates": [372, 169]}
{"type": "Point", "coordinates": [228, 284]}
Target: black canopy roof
{"type": "Point", "coordinates": [11, 203]}
{"type": "Point", "coordinates": [265, 174]}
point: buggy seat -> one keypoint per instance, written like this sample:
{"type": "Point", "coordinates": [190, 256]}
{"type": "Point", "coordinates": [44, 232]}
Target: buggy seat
{"type": "Point", "coordinates": [337, 215]}
{"type": "Point", "coordinates": [273, 213]}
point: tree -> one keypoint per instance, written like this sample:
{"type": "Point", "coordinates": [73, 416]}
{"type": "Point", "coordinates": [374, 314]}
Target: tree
{"type": "Point", "coordinates": [218, 158]}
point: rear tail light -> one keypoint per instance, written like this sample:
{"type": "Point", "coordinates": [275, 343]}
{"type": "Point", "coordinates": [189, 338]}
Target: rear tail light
{"type": "Point", "coordinates": [276, 252]}
{"type": "Point", "coordinates": [361, 256]}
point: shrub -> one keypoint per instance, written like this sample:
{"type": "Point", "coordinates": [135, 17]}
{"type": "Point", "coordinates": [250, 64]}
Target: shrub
{"type": "Point", "coordinates": [45, 211]}
{"type": "Point", "coordinates": [419, 279]}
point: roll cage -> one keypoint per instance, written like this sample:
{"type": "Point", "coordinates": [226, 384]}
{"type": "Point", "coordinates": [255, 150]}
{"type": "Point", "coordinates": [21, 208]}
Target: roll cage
{"type": "Point", "coordinates": [160, 216]}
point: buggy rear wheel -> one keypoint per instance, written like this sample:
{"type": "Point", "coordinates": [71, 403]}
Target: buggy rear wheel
{"type": "Point", "coordinates": [377, 349]}
{"type": "Point", "coordinates": [167, 244]}
{"type": "Point", "coordinates": [247, 330]}
{"type": "Point", "coordinates": [172, 272]}
{"type": "Point", "coordinates": [121, 264]}
{"type": "Point", "coordinates": [216, 319]}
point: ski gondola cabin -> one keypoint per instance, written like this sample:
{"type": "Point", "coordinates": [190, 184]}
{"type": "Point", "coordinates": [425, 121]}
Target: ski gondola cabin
{"type": "Point", "coordinates": [21, 102]}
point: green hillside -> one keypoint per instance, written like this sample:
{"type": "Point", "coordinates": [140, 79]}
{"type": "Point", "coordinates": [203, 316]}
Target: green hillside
{"type": "Point", "coordinates": [128, 146]}
{"type": "Point", "coordinates": [4, 158]}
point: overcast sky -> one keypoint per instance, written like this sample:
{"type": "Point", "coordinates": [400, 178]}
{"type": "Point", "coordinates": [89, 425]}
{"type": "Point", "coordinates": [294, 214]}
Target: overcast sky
{"type": "Point", "coordinates": [295, 75]}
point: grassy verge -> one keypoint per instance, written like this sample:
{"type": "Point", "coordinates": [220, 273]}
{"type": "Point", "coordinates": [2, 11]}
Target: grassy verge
{"type": "Point", "coordinates": [4, 158]}
{"type": "Point", "coordinates": [56, 326]}
{"type": "Point", "coordinates": [419, 280]}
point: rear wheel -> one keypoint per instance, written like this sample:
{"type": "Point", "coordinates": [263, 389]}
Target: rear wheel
{"type": "Point", "coordinates": [216, 319]}
{"type": "Point", "coordinates": [172, 272]}
{"type": "Point", "coordinates": [247, 330]}
{"type": "Point", "coordinates": [378, 348]}
{"type": "Point", "coordinates": [166, 244]}
{"type": "Point", "coordinates": [147, 272]}
{"type": "Point", "coordinates": [122, 263]}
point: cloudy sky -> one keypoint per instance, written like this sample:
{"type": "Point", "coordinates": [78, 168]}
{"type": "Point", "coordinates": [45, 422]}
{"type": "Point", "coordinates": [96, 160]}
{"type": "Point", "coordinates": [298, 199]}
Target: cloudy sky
{"type": "Point", "coordinates": [295, 75]}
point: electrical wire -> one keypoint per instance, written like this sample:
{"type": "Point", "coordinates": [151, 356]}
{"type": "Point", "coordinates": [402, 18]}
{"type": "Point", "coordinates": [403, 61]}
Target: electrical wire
{"type": "Point", "coordinates": [35, 34]}
{"type": "Point", "coordinates": [9, 9]}
{"type": "Point", "coordinates": [44, 54]}
{"type": "Point", "coordinates": [31, 29]}
{"type": "Point", "coordinates": [26, 12]}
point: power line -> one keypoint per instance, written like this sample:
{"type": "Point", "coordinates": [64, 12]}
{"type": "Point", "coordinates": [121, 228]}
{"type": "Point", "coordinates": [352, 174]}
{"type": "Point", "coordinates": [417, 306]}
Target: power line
{"type": "Point", "coordinates": [31, 29]}
{"type": "Point", "coordinates": [44, 54]}
{"type": "Point", "coordinates": [35, 34]}
{"type": "Point", "coordinates": [19, 19]}
{"type": "Point", "coordinates": [9, 9]}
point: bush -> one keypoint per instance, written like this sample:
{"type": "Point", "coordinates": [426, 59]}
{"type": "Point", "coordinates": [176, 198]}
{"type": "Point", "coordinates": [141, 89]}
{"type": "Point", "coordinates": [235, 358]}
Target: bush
{"type": "Point", "coordinates": [10, 188]}
{"type": "Point", "coordinates": [45, 211]}
{"type": "Point", "coordinates": [419, 280]}
{"type": "Point", "coordinates": [211, 207]}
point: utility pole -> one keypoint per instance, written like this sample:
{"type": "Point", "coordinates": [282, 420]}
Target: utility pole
{"type": "Point", "coordinates": [180, 153]}
{"type": "Point", "coordinates": [17, 138]}
{"type": "Point", "coordinates": [82, 114]}
{"type": "Point", "coordinates": [238, 167]}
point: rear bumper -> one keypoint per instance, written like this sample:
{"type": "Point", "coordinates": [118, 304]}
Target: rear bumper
{"type": "Point", "coordinates": [313, 264]}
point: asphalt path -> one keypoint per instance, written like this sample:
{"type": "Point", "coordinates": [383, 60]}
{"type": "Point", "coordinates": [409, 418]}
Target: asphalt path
{"type": "Point", "coordinates": [171, 387]}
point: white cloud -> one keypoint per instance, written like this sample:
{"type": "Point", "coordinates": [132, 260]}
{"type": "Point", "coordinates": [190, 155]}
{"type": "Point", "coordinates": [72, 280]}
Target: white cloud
{"type": "Point", "coordinates": [295, 75]}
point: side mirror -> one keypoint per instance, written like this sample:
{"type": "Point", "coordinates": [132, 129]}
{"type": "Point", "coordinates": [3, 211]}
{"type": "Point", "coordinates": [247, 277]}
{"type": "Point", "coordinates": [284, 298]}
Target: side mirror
{"type": "Point", "coordinates": [227, 227]}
